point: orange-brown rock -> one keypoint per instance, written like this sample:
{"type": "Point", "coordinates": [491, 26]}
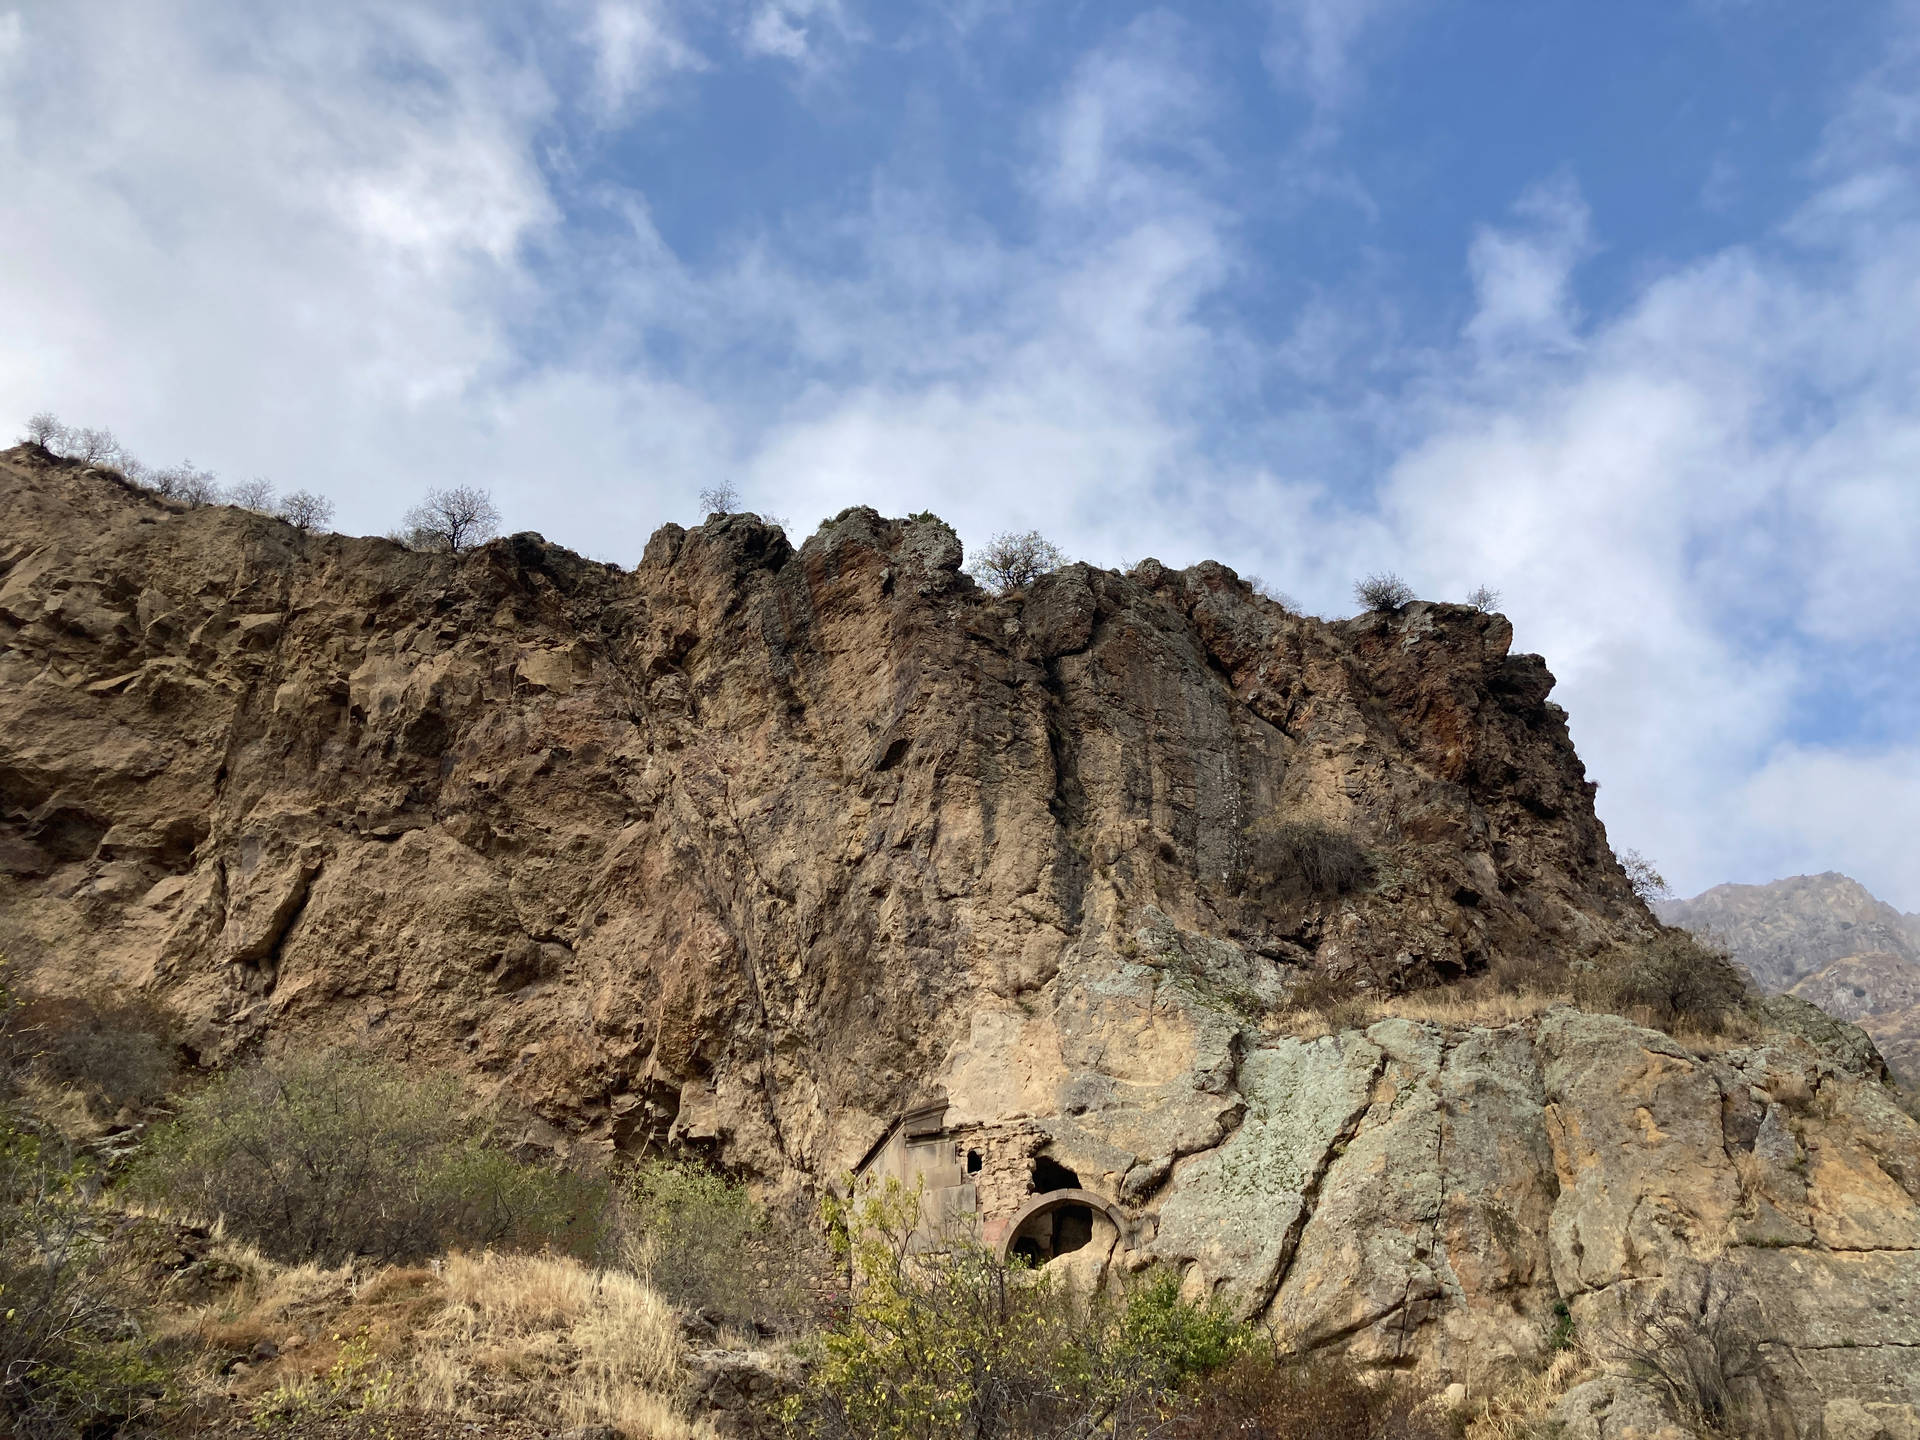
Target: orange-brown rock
{"type": "Point", "coordinates": [732, 843]}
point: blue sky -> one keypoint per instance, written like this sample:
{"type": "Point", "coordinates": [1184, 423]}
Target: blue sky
{"type": "Point", "coordinates": [1615, 308]}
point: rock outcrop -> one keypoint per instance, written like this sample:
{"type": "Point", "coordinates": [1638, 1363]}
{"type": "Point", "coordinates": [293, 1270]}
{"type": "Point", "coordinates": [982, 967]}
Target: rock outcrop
{"type": "Point", "coordinates": [734, 847]}
{"type": "Point", "coordinates": [752, 846]}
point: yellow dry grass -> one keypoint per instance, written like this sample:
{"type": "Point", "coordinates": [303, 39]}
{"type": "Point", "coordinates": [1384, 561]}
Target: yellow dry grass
{"type": "Point", "coordinates": [1480, 1004]}
{"type": "Point", "coordinates": [540, 1335]}
{"type": "Point", "coordinates": [473, 1337]}
{"type": "Point", "coordinates": [1518, 1410]}
{"type": "Point", "coordinates": [1457, 1006]}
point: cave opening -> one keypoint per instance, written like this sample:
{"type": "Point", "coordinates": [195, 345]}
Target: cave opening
{"type": "Point", "coordinates": [1050, 1174]}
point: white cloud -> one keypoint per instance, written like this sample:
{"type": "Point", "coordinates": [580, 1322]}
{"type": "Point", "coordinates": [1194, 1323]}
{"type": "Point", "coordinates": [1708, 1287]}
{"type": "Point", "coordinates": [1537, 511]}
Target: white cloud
{"type": "Point", "coordinates": [1127, 109]}
{"type": "Point", "coordinates": [1807, 807]}
{"type": "Point", "coordinates": [1317, 47]}
{"type": "Point", "coordinates": [794, 30]}
{"type": "Point", "coordinates": [636, 45]}
{"type": "Point", "coordinates": [1522, 278]}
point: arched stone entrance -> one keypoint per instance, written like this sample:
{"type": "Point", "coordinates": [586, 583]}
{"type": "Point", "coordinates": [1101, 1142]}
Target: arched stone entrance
{"type": "Point", "coordinates": [1059, 1222]}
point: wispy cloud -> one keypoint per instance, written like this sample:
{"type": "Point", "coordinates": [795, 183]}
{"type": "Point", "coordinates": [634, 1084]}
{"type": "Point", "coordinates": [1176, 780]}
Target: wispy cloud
{"type": "Point", "coordinates": [636, 45]}
{"type": "Point", "coordinates": [1320, 49]}
{"type": "Point", "coordinates": [1523, 276]}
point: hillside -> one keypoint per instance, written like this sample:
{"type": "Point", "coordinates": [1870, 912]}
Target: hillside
{"type": "Point", "coordinates": [1826, 939]}
{"type": "Point", "coordinates": [1182, 929]}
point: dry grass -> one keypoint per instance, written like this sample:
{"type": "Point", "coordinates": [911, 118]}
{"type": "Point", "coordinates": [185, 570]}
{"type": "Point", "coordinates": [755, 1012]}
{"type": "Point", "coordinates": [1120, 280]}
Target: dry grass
{"type": "Point", "coordinates": [536, 1335]}
{"type": "Point", "coordinates": [476, 1338]}
{"type": "Point", "coordinates": [1450, 1006]}
{"type": "Point", "coordinates": [1518, 1410]}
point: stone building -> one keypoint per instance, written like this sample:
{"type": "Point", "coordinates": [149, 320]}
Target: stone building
{"type": "Point", "coordinates": [992, 1183]}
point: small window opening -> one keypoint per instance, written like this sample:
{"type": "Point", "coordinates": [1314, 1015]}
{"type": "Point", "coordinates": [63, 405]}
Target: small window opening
{"type": "Point", "coordinates": [973, 1162]}
{"type": "Point", "coordinates": [1050, 1174]}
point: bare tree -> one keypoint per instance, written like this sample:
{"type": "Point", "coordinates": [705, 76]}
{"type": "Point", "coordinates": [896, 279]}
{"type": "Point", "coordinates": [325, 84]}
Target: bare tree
{"type": "Point", "coordinates": [1484, 598]}
{"type": "Point", "coordinates": [1648, 883]}
{"type": "Point", "coordinates": [1269, 592]}
{"type": "Point", "coordinates": [96, 447]}
{"type": "Point", "coordinates": [720, 499]}
{"type": "Point", "coordinates": [1014, 561]}
{"type": "Point", "coordinates": [305, 510]}
{"type": "Point", "coordinates": [453, 520]}
{"type": "Point", "coordinates": [254, 494]}
{"type": "Point", "coordinates": [46, 431]}
{"type": "Point", "coordinates": [184, 483]}
{"type": "Point", "coordinates": [1384, 591]}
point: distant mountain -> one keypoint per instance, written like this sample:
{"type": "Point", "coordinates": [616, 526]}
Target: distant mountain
{"type": "Point", "coordinates": [1827, 939]}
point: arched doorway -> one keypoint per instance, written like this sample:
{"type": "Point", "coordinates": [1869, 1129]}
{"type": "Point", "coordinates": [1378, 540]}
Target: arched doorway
{"type": "Point", "coordinates": [1061, 1222]}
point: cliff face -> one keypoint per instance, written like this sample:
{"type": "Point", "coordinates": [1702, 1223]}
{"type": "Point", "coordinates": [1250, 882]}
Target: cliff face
{"type": "Point", "coordinates": [751, 846]}
{"type": "Point", "coordinates": [739, 843]}
{"type": "Point", "coordinates": [1827, 939]}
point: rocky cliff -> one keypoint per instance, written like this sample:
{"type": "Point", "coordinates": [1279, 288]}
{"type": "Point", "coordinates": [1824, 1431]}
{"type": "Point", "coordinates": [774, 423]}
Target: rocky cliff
{"type": "Point", "coordinates": [737, 845]}
{"type": "Point", "coordinates": [749, 847]}
{"type": "Point", "coordinates": [1827, 939]}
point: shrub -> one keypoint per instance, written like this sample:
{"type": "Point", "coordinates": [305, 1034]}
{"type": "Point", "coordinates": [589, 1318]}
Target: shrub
{"type": "Point", "coordinates": [1296, 860]}
{"type": "Point", "coordinates": [1674, 979]}
{"type": "Point", "coordinates": [115, 1053]}
{"type": "Point", "coordinates": [1343, 1007]}
{"type": "Point", "coordinates": [1705, 1362]}
{"type": "Point", "coordinates": [332, 1156]}
{"type": "Point", "coordinates": [1648, 883]}
{"type": "Point", "coordinates": [1013, 562]}
{"type": "Point", "coordinates": [1264, 1396]}
{"type": "Point", "coordinates": [720, 499]}
{"type": "Point", "coordinates": [452, 520]}
{"type": "Point", "coordinates": [185, 484]}
{"type": "Point", "coordinates": [1384, 591]}
{"type": "Point", "coordinates": [959, 1342]}
{"type": "Point", "coordinates": [305, 510]}
{"type": "Point", "coordinates": [64, 1367]}
{"type": "Point", "coordinates": [707, 1245]}
{"type": "Point", "coordinates": [1484, 598]}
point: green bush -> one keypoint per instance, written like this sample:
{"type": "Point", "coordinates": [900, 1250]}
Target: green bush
{"type": "Point", "coordinates": [959, 1342]}
{"type": "Point", "coordinates": [66, 1367]}
{"type": "Point", "coordinates": [332, 1156]}
{"type": "Point", "coordinates": [114, 1053]}
{"type": "Point", "coordinates": [708, 1246]}
{"type": "Point", "coordinates": [1297, 860]}
{"type": "Point", "coordinates": [1671, 980]}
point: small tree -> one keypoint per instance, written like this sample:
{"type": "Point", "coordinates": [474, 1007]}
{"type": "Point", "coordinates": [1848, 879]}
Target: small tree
{"type": "Point", "coordinates": [186, 484]}
{"type": "Point", "coordinates": [1484, 598]}
{"type": "Point", "coordinates": [453, 520]}
{"type": "Point", "coordinates": [1384, 591]}
{"type": "Point", "coordinates": [1014, 561]}
{"type": "Point", "coordinates": [720, 499]}
{"type": "Point", "coordinates": [305, 510]}
{"type": "Point", "coordinates": [1648, 883]}
{"type": "Point", "coordinates": [95, 447]}
{"type": "Point", "coordinates": [46, 431]}
{"type": "Point", "coordinates": [254, 494]}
